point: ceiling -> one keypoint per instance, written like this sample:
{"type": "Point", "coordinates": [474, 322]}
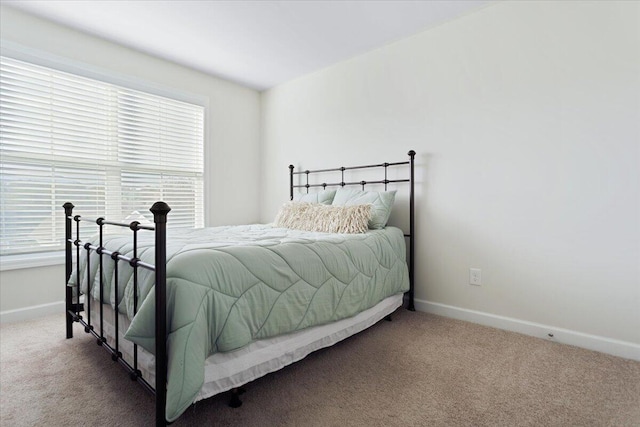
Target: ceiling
{"type": "Point", "coordinates": [259, 44]}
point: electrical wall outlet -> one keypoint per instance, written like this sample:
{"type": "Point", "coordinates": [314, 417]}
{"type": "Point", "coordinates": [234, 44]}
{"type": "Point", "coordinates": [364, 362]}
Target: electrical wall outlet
{"type": "Point", "coordinates": [475, 276]}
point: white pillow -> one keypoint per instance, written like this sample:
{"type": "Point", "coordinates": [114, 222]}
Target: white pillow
{"type": "Point", "coordinates": [324, 218]}
{"type": "Point", "coordinates": [325, 197]}
{"type": "Point", "coordinates": [382, 202]}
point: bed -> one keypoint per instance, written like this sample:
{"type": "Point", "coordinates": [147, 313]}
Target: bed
{"type": "Point", "coordinates": [206, 311]}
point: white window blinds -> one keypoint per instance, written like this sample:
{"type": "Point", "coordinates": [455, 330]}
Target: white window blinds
{"type": "Point", "coordinates": [110, 150]}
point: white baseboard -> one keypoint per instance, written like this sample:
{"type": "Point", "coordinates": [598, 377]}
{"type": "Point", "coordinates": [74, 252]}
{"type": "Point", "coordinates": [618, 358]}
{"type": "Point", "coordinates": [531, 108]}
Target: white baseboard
{"type": "Point", "coordinates": [33, 312]}
{"type": "Point", "coordinates": [619, 348]}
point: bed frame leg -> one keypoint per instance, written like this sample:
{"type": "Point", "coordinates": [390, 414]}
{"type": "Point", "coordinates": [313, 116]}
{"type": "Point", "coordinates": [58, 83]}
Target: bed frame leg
{"type": "Point", "coordinates": [235, 401]}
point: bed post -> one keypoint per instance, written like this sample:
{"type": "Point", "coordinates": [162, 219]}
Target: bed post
{"type": "Point", "coordinates": [412, 231]}
{"type": "Point", "coordinates": [290, 182]}
{"type": "Point", "coordinates": [160, 211]}
{"type": "Point", "coordinates": [68, 295]}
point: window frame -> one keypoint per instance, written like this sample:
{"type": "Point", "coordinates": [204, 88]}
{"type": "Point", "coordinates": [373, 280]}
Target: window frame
{"type": "Point", "coordinates": [22, 53]}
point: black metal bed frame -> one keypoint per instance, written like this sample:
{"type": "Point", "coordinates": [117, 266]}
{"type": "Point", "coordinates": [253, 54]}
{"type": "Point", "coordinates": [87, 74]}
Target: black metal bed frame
{"type": "Point", "coordinates": [160, 211]}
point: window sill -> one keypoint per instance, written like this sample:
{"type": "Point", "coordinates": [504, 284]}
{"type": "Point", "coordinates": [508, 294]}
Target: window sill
{"type": "Point", "coordinates": [17, 262]}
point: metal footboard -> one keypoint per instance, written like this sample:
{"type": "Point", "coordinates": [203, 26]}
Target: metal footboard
{"type": "Point", "coordinates": [75, 308]}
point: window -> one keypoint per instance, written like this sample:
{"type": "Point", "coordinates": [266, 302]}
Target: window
{"type": "Point", "coordinates": [110, 150]}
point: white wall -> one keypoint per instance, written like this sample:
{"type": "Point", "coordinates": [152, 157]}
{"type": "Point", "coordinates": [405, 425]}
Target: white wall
{"type": "Point", "coordinates": [232, 145]}
{"type": "Point", "coordinates": [526, 120]}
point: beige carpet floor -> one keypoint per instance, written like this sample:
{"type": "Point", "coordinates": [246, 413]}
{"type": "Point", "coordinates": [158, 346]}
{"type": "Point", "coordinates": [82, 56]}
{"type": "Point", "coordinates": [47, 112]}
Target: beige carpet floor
{"type": "Point", "coordinates": [418, 370]}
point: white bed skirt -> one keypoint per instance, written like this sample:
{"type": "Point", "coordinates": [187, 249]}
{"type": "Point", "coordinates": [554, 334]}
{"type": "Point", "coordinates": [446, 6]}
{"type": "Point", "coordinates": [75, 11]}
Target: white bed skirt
{"type": "Point", "coordinates": [225, 371]}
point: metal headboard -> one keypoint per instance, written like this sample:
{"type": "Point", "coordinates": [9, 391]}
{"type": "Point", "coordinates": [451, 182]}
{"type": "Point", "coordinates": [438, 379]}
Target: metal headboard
{"type": "Point", "coordinates": [385, 181]}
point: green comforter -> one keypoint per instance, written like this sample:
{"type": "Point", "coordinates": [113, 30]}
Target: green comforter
{"type": "Point", "coordinates": [229, 286]}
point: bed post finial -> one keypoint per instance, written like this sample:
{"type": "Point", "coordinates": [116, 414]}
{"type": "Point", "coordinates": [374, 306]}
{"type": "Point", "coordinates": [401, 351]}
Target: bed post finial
{"type": "Point", "coordinates": [160, 211]}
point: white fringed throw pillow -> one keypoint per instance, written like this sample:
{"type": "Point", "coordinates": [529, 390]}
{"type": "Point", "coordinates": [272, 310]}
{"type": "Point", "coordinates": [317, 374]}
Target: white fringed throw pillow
{"type": "Point", "coordinates": [324, 218]}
